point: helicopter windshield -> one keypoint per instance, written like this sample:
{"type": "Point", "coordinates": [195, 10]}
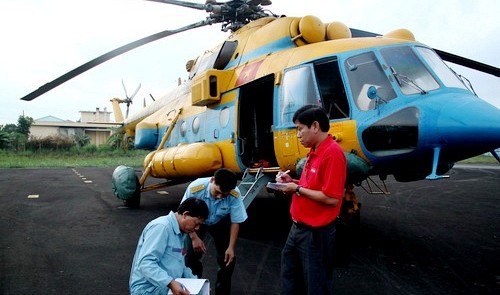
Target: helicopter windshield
{"type": "Point", "coordinates": [363, 71]}
{"type": "Point", "coordinates": [410, 73]}
{"type": "Point", "coordinates": [444, 73]}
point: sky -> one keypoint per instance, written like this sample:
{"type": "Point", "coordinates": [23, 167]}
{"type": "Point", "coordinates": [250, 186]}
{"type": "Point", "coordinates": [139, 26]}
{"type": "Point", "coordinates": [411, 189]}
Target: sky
{"type": "Point", "coordinates": [44, 39]}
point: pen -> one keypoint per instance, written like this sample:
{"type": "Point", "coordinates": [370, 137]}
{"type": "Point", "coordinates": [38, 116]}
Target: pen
{"type": "Point", "coordinates": [280, 174]}
{"type": "Point", "coordinates": [184, 287]}
{"type": "Point", "coordinates": [283, 173]}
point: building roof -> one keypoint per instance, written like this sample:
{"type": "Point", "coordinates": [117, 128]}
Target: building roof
{"type": "Point", "coordinates": [51, 119]}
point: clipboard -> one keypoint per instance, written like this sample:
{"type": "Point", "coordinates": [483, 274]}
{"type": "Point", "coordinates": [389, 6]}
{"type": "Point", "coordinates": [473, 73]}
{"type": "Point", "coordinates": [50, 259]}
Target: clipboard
{"type": "Point", "coordinates": [276, 185]}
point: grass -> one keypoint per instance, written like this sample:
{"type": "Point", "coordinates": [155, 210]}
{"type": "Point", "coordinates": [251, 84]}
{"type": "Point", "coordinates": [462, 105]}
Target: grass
{"type": "Point", "coordinates": [109, 158]}
{"type": "Point", "coordinates": [480, 160]}
{"type": "Point", "coordinates": [112, 158]}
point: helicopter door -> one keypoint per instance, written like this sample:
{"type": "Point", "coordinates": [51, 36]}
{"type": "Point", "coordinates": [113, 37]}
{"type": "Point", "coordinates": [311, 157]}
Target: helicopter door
{"type": "Point", "coordinates": [255, 137]}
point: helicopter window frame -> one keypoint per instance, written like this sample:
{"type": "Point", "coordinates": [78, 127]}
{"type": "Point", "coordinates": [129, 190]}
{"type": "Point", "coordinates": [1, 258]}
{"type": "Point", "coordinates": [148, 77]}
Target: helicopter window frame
{"type": "Point", "coordinates": [332, 88]}
{"type": "Point", "coordinates": [365, 70]}
{"type": "Point", "coordinates": [442, 71]}
{"type": "Point", "coordinates": [405, 63]}
{"type": "Point", "coordinates": [299, 88]}
{"type": "Point", "coordinates": [205, 62]}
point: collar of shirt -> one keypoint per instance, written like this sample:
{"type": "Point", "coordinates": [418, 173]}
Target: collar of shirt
{"type": "Point", "coordinates": [175, 224]}
{"type": "Point", "coordinates": [322, 146]}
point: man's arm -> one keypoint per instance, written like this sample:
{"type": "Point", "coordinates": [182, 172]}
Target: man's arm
{"type": "Point", "coordinates": [233, 237]}
{"type": "Point", "coordinates": [198, 244]}
{"type": "Point", "coordinates": [155, 243]}
{"type": "Point", "coordinates": [318, 196]}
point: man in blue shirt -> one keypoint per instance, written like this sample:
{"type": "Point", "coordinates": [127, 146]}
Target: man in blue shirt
{"type": "Point", "coordinates": [226, 212]}
{"type": "Point", "coordinates": [159, 257]}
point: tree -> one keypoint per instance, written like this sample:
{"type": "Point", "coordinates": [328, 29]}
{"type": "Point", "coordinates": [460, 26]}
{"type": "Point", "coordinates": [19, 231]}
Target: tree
{"type": "Point", "coordinates": [119, 139]}
{"type": "Point", "coordinates": [4, 139]}
{"type": "Point", "coordinates": [16, 136]}
{"type": "Point", "coordinates": [18, 141]}
{"type": "Point", "coordinates": [24, 125]}
{"type": "Point", "coordinates": [81, 139]}
{"type": "Point", "coordinates": [9, 128]}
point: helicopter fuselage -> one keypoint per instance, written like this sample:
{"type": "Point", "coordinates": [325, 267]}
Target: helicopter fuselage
{"type": "Point", "coordinates": [392, 102]}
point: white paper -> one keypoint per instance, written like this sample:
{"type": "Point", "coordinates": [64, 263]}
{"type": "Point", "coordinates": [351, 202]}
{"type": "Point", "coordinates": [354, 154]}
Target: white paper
{"type": "Point", "coordinates": [194, 286]}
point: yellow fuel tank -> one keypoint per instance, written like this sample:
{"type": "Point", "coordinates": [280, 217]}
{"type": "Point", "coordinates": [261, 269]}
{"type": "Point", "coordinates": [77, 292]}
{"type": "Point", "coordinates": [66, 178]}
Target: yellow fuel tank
{"type": "Point", "coordinates": [185, 160]}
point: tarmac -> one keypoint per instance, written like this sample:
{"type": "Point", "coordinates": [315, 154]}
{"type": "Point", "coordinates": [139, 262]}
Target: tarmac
{"type": "Point", "coordinates": [63, 232]}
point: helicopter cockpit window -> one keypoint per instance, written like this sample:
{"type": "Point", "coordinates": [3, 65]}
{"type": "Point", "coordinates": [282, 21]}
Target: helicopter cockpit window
{"type": "Point", "coordinates": [408, 71]}
{"type": "Point", "coordinates": [225, 54]}
{"type": "Point", "coordinates": [205, 61]}
{"type": "Point", "coordinates": [363, 71]}
{"type": "Point", "coordinates": [443, 72]}
{"type": "Point", "coordinates": [298, 89]}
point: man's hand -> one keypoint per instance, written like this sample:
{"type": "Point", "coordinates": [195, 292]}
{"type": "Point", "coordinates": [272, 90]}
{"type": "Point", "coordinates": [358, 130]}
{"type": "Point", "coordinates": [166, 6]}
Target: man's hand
{"type": "Point", "coordinates": [198, 244]}
{"type": "Point", "coordinates": [290, 188]}
{"type": "Point", "coordinates": [178, 289]}
{"type": "Point", "coordinates": [283, 177]}
{"type": "Point", "coordinates": [229, 256]}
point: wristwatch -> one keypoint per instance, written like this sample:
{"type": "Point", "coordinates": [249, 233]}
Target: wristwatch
{"type": "Point", "coordinates": [297, 190]}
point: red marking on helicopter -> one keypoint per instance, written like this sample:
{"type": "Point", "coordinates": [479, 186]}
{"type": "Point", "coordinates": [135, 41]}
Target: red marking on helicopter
{"type": "Point", "coordinates": [248, 73]}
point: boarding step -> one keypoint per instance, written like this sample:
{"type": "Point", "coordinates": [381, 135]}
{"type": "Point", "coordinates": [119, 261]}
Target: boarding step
{"type": "Point", "coordinates": [254, 180]}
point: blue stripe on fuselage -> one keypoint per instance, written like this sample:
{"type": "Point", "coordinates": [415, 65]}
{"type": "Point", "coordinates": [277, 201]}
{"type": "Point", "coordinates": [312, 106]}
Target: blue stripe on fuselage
{"type": "Point", "coordinates": [209, 130]}
{"type": "Point", "coordinates": [278, 45]}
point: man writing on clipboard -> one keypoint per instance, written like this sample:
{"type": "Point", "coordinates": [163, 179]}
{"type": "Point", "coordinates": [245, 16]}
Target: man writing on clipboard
{"type": "Point", "coordinates": [159, 257]}
{"type": "Point", "coordinates": [307, 257]}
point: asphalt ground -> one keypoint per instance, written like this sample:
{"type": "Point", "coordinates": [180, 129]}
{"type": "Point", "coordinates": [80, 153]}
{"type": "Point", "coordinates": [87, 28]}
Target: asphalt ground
{"type": "Point", "coordinates": [62, 231]}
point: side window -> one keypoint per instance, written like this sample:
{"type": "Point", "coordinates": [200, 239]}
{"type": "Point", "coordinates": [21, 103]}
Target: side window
{"type": "Point", "coordinates": [363, 71]}
{"type": "Point", "coordinates": [225, 54]}
{"type": "Point", "coordinates": [331, 88]}
{"type": "Point", "coordinates": [298, 89]}
{"type": "Point", "coordinates": [205, 62]}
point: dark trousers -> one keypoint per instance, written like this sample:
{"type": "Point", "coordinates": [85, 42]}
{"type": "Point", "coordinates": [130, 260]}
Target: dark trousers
{"type": "Point", "coordinates": [220, 234]}
{"type": "Point", "coordinates": [307, 261]}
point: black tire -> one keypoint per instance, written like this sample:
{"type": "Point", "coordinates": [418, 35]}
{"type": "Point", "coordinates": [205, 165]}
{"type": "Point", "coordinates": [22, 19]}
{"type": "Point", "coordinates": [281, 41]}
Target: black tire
{"type": "Point", "coordinates": [135, 201]}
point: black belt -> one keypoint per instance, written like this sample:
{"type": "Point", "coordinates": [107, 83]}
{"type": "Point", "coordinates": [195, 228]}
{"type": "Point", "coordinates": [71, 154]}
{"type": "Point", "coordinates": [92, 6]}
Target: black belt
{"type": "Point", "coordinates": [302, 225]}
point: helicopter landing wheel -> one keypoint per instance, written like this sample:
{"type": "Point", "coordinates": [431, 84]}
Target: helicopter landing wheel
{"type": "Point", "coordinates": [134, 201]}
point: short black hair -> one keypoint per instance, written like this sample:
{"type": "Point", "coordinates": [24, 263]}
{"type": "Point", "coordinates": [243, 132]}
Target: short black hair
{"type": "Point", "coordinates": [225, 179]}
{"type": "Point", "coordinates": [309, 113]}
{"type": "Point", "coordinates": [194, 207]}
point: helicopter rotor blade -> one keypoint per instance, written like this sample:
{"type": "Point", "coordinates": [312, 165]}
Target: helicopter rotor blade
{"type": "Point", "coordinates": [107, 56]}
{"type": "Point", "coordinates": [135, 92]}
{"type": "Point", "coordinates": [459, 60]}
{"type": "Point", "coordinates": [125, 89]}
{"type": "Point", "coordinates": [232, 14]}
{"type": "Point", "coordinates": [360, 33]}
{"type": "Point", "coordinates": [469, 63]}
{"type": "Point", "coordinates": [183, 3]}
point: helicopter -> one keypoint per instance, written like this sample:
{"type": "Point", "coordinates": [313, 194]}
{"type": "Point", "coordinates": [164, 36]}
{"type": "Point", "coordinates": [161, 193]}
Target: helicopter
{"type": "Point", "coordinates": [395, 106]}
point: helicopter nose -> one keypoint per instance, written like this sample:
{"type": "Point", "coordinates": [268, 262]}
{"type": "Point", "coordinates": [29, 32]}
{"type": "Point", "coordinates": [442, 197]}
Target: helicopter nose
{"type": "Point", "coordinates": [469, 127]}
